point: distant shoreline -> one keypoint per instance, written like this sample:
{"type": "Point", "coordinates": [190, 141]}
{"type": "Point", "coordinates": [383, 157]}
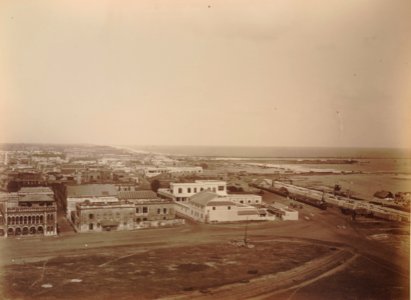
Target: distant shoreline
{"type": "Point", "coordinates": [261, 153]}
{"type": "Point", "coordinates": [243, 152]}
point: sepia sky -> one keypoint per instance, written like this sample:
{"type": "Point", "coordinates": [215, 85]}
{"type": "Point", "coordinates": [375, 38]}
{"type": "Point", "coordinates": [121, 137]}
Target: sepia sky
{"type": "Point", "coordinates": [255, 73]}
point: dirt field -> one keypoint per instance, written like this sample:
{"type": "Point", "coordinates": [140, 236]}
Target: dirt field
{"type": "Point", "coordinates": [156, 273]}
{"type": "Point", "coordinates": [323, 256]}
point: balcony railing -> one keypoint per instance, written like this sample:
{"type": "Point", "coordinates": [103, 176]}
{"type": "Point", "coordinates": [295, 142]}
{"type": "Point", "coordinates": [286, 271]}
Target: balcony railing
{"type": "Point", "coordinates": [31, 209]}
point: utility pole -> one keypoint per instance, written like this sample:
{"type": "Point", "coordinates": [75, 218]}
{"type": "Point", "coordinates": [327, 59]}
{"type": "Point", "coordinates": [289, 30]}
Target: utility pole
{"type": "Point", "coordinates": [245, 232]}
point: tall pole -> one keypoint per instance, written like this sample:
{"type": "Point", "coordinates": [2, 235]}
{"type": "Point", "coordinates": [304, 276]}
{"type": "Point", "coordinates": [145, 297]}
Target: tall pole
{"type": "Point", "coordinates": [245, 231]}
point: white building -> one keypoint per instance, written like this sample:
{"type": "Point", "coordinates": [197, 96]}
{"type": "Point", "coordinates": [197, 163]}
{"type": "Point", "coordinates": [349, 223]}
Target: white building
{"type": "Point", "coordinates": [209, 207]}
{"type": "Point", "coordinates": [249, 199]}
{"type": "Point", "coordinates": [180, 192]}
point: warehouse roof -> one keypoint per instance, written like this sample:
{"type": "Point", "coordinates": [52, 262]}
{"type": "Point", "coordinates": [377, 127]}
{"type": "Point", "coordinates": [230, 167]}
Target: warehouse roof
{"type": "Point", "coordinates": [146, 194]}
{"type": "Point", "coordinates": [91, 190]}
{"type": "Point", "coordinates": [35, 198]}
{"type": "Point", "coordinates": [37, 189]}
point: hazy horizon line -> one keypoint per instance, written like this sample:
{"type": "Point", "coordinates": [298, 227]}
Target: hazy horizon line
{"type": "Point", "coordinates": [199, 145]}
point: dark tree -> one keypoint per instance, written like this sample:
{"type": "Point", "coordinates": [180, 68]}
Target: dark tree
{"type": "Point", "coordinates": [155, 185]}
{"type": "Point", "coordinates": [13, 186]}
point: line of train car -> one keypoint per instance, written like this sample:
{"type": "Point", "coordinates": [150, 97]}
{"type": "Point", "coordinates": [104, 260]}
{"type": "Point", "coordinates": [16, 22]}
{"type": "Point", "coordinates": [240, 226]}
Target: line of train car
{"type": "Point", "coordinates": [321, 200]}
{"type": "Point", "coordinates": [282, 191]}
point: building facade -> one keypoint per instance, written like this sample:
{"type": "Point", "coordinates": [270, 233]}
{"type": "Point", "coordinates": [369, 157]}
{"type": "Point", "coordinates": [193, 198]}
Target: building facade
{"type": "Point", "coordinates": [153, 211]}
{"type": "Point", "coordinates": [124, 215]}
{"type": "Point", "coordinates": [209, 207]}
{"type": "Point", "coordinates": [249, 199]}
{"type": "Point", "coordinates": [94, 216]}
{"type": "Point", "coordinates": [180, 192]}
{"type": "Point", "coordinates": [98, 193]}
{"type": "Point", "coordinates": [31, 211]}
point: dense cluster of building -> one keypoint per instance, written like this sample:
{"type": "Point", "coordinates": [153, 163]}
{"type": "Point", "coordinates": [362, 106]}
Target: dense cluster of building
{"type": "Point", "coordinates": [95, 189]}
{"type": "Point", "coordinates": [101, 207]}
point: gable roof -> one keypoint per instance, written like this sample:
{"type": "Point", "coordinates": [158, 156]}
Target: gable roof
{"type": "Point", "coordinates": [91, 190]}
{"type": "Point", "coordinates": [203, 197]}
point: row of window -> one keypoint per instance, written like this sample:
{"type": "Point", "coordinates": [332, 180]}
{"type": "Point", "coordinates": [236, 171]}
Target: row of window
{"type": "Point", "coordinates": [28, 204]}
{"type": "Point", "coordinates": [107, 215]}
{"type": "Point", "coordinates": [181, 199]}
{"type": "Point", "coordinates": [91, 225]}
{"type": "Point", "coordinates": [159, 211]}
{"type": "Point", "coordinates": [195, 190]}
{"type": "Point", "coordinates": [249, 201]}
{"type": "Point", "coordinates": [93, 177]}
{"type": "Point", "coordinates": [196, 214]}
{"type": "Point", "coordinates": [144, 210]}
{"type": "Point", "coordinates": [31, 230]}
{"type": "Point", "coordinates": [228, 207]}
{"type": "Point", "coordinates": [138, 220]}
{"type": "Point", "coordinates": [139, 210]}
{"type": "Point", "coordinates": [29, 219]}
{"type": "Point", "coordinates": [126, 188]}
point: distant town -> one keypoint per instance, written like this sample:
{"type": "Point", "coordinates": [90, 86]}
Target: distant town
{"type": "Point", "coordinates": [62, 191]}
{"type": "Point", "coordinates": [47, 189]}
